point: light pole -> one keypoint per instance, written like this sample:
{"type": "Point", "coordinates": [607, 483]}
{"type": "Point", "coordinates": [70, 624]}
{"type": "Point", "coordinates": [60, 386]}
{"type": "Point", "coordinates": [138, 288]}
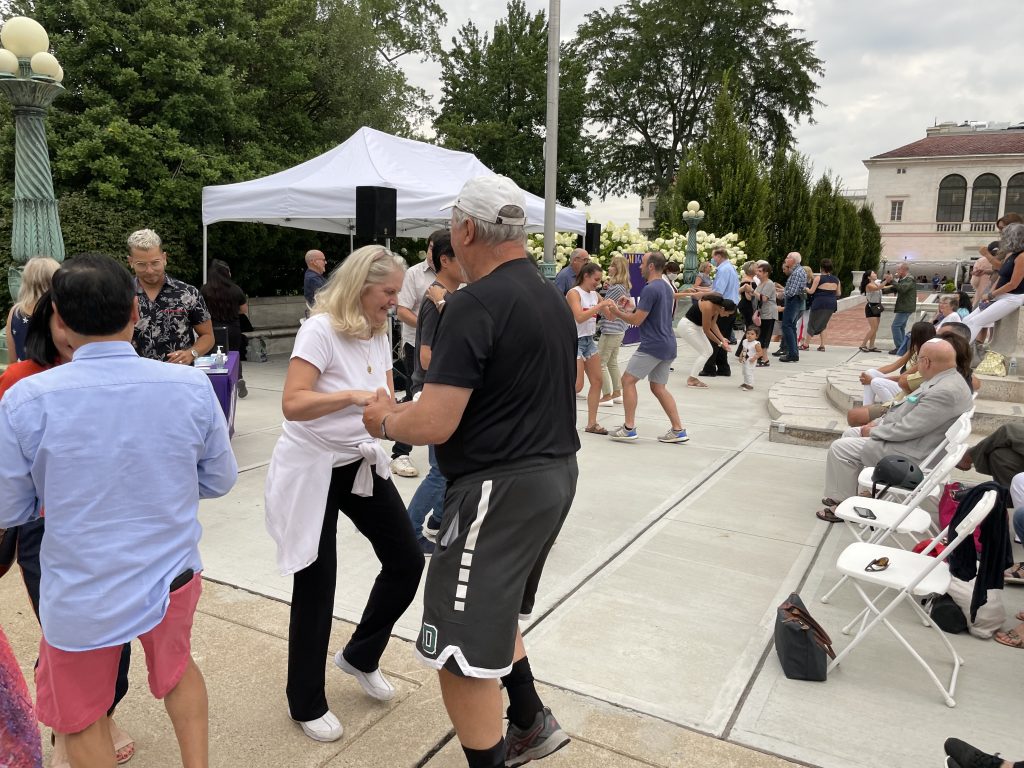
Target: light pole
{"type": "Point", "coordinates": [693, 216]}
{"type": "Point", "coordinates": [31, 78]}
{"type": "Point", "coordinates": [551, 142]}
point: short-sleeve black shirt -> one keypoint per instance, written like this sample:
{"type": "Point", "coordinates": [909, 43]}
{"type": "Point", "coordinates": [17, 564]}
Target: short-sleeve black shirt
{"type": "Point", "coordinates": [426, 330]}
{"type": "Point", "coordinates": [165, 324]}
{"type": "Point", "coordinates": [511, 338]}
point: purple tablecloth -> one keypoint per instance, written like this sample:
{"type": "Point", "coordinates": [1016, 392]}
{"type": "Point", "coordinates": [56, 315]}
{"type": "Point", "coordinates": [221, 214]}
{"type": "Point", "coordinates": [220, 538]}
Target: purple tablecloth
{"type": "Point", "coordinates": [225, 384]}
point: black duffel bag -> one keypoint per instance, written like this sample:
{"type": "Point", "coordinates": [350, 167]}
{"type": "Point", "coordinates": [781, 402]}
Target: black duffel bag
{"type": "Point", "coordinates": [803, 646]}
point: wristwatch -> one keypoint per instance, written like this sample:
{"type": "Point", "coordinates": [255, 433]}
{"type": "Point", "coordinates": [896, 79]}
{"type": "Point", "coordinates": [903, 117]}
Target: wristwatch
{"type": "Point", "coordinates": [195, 355]}
{"type": "Point", "coordinates": [440, 304]}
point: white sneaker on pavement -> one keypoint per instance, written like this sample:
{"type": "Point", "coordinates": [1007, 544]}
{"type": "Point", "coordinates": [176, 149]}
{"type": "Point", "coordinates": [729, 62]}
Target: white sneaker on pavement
{"type": "Point", "coordinates": [374, 683]}
{"type": "Point", "coordinates": [403, 467]}
{"type": "Point", "coordinates": [326, 728]}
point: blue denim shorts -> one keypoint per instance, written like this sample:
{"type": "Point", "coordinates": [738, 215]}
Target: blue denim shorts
{"type": "Point", "coordinates": [586, 347]}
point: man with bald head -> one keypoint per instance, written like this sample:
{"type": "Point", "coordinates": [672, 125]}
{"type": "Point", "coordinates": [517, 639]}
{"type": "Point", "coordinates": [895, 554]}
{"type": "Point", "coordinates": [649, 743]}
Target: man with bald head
{"type": "Point", "coordinates": [566, 279]}
{"type": "Point", "coordinates": [316, 265]}
{"type": "Point", "coordinates": [912, 429]}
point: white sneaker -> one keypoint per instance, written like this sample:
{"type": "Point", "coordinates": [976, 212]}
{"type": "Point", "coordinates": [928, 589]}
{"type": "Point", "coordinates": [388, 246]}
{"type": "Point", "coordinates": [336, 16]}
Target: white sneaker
{"type": "Point", "coordinates": [326, 728]}
{"type": "Point", "coordinates": [606, 404]}
{"type": "Point", "coordinates": [403, 467]}
{"type": "Point", "coordinates": [617, 400]}
{"type": "Point", "coordinates": [581, 395]}
{"type": "Point", "coordinates": [374, 683]}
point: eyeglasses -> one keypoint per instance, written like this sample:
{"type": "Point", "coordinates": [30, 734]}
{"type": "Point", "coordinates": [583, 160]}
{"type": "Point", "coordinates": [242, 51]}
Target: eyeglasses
{"type": "Point", "coordinates": [142, 266]}
{"type": "Point", "coordinates": [877, 565]}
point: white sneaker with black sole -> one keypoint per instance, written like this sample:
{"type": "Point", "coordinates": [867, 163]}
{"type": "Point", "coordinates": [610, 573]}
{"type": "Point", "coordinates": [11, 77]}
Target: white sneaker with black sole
{"type": "Point", "coordinates": [403, 467]}
{"type": "Point", "coordinates": [374, 683]}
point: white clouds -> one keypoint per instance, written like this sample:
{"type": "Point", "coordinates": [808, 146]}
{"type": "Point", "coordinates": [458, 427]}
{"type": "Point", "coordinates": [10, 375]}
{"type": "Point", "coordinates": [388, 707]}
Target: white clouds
{"type": "Point", "coordinates": [892, 67]}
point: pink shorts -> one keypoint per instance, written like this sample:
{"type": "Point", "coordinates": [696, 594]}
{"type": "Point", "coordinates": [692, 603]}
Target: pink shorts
{"type": "Point", "coordinates": [74, 689]}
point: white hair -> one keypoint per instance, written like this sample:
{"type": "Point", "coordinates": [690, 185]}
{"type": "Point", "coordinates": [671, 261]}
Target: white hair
{"type": "Point", "coordinates": [143, 240]}
{"type": "Point", "coordinates": [489, 233]}
{"type": "Point", "coordinates": [795, 256]}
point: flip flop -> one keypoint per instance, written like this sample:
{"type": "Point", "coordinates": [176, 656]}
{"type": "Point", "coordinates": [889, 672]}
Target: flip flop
{"type": "Point", "coordinates": [863, 349]}
{"type": "Point", "coordinates": [1015, 576]}
{"type": "Point", "coordinates": [1010, 638]}
{"type": "Point", "coordinates": [828, 516]}
{"type": "Point", "coordinates": [832, 503]}
{"type": "Point", "coordinates": [698, 385]}
{"type": "Point", "coordinates": [821, 349]}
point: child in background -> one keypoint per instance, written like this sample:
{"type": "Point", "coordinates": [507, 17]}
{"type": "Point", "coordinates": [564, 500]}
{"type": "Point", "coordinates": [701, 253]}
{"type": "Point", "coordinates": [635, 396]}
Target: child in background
{"type": "Point", "coordinates": [751, 353]}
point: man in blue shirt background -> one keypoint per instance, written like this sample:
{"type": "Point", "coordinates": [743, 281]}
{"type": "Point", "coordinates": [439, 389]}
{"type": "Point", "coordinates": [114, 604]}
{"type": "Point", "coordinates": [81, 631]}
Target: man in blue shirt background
{"type": "Point", "coordinates": [566, 279]}
{"type": "Point", "coordinates": [727, 285]}
{"type": "Point", "coordinates": [120, 449]}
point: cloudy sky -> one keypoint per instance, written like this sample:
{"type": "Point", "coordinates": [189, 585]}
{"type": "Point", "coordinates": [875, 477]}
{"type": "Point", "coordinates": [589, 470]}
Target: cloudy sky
{"type": "Point", "coordinates": [892, 68]}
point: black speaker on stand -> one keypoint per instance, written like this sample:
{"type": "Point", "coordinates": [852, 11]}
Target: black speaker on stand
{"type": "Point", "coordinates": [376, 213]}
{"type": "Point", "coordinates": [592, 244]}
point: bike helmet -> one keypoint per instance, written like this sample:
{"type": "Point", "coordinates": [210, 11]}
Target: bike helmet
{"type": "Point", "coordinates": [895, 472]}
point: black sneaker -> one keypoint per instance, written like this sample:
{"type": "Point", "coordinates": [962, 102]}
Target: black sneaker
{"type": "Point", "coordinates": [966, 756]}
{"type": "Point", "coordinates": [543, 738]}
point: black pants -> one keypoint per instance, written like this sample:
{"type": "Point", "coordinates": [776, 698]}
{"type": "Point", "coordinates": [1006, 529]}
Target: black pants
{"type": "Point", "coordinates": [382, 519]}
{"type": "Point", "coordinates": [718, 363]}
{"type": "Point", "coordinates": [767, 329]}
{"type": "Point", "coordinates": [30, 539]}
{"type": "Point", "coordinates": [408, 361]}
{"type": "Point", "coordinates": [1001, 454]}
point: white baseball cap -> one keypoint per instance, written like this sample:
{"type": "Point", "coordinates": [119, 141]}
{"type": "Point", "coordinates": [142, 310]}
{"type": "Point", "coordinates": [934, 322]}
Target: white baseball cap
{"type": "Point", "coordinates": [484, 197]}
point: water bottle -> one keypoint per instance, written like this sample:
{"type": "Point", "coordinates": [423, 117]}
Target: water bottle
{"type": "Point", "coordinates": [1011, 369]}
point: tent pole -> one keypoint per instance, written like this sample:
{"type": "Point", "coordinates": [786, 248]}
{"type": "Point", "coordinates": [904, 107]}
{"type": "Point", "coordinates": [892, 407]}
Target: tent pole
{"type": "Point", "coordinates": [351, 242]}
{"type": "Point", "coordinates": [551, 142]}
{"type": "Point", "coordinates": [204, 254]}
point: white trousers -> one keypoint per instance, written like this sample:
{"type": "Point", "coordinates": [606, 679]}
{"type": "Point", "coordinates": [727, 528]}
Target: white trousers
{"type": "Point", "coordinates": [881, 389]}
{"type": "Point", "coordinates": [1003, 305]}
{"type": "Point", "coordinates": [697, 340]}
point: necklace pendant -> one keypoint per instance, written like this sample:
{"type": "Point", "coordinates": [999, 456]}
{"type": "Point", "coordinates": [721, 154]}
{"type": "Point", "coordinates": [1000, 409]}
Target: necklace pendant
{"type": "Point", "coordinates": [369, 369]}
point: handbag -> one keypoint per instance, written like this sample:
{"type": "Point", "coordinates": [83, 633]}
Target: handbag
{"type": "Point", "coordinates": [757, 318]}
{"type": "Point", "coordinates": [994, 364]}
{"type": "Point", "coordinates": [948, 504]}
{"type": "Point", "coordinates": [802, 645]}
{"type": "Point", "coordinates": [874, 309]}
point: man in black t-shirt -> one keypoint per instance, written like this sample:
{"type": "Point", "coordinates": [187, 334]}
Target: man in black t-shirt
{"type": "Point", "coordinates": [429, 497]}
{"type": "Point", "coordinates": [499, 404]}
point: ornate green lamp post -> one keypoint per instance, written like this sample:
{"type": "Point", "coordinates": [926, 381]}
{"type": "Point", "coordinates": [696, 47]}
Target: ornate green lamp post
{"type": "Point", "coordinates": [31, 77]}
{"type": "Point", "coordinates": [693, 216]}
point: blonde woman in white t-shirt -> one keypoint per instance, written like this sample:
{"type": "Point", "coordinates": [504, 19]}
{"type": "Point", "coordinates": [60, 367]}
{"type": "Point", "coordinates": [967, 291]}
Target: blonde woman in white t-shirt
{"type": "Point", "coordinates": [325, 462]}
{"type": "Point", "coordinates": [586, 304]}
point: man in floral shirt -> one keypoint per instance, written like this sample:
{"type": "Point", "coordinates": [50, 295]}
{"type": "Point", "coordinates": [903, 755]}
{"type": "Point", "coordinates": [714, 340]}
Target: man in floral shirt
{"type": "Point", "coordinates": [174, 324]}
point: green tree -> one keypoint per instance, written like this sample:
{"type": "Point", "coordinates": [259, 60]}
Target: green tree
{"type": "Point", "coordinates": [168, 96]}
{"type": "Point", "coordinates": [658, 64]}
{"type": "Point", "coordinates": [493, 103]}
{"type": "Point", "coordinates": [791, 223]}
{"type": "Point", "coordinates": [725, 174]}
{"type": "Point", "coordinates": [871, 239]}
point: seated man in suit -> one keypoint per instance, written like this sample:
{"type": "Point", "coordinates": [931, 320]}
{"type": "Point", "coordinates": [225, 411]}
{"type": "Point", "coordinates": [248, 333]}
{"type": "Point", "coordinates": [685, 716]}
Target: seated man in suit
{"type": "Point", "coordinates": [911, 429]}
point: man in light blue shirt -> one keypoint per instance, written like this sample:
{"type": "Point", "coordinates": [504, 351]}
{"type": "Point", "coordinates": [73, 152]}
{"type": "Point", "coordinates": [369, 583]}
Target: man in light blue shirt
{"type": "Point", "coordinates": [727, 285]}
{"type": "Point", "coordinates": [119, 449]}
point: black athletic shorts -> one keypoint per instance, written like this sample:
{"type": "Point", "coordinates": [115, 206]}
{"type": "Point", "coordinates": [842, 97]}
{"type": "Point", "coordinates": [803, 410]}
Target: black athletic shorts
{"type": "Point", "coordinates": [498, 527]}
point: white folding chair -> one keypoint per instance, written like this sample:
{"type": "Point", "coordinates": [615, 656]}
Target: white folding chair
{"type": "Point", "coordinates": [956, 434]}
{"type": "Point", "coordinates": [916, 576]}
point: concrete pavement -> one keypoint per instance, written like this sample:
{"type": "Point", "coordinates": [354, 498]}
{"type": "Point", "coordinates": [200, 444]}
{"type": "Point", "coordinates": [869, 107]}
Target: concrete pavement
{"type": "Point", "coordinates": [652, 635]}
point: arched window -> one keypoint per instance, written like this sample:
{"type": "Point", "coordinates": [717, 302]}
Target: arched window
{"type": "Point", "coordinates": [1015, 195]}
{"type": "Point", "coordinates": [952, 198]}
{"type": "Point", "coordinates": [985, 198]}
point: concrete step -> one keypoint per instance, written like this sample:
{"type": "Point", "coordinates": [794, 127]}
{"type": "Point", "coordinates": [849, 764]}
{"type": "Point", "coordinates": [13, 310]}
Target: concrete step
{"type": "Point", "coordinates": [810, 407]}
{"type": "Point", "coordinates": [998, 399]}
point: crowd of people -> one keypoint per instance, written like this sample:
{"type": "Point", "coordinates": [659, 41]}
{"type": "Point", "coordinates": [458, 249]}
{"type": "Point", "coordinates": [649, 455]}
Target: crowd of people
{"type": "Point", "coordinates": [493, 355]}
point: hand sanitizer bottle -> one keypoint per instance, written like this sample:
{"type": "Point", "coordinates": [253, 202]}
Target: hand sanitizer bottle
{"type": "Point", "coordinates": [220, 359]}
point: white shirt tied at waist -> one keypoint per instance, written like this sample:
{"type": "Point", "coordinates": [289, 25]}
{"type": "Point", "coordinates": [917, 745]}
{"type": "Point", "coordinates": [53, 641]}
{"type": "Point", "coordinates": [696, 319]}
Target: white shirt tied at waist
{"type": "Point", "coordinates": [296, 492]}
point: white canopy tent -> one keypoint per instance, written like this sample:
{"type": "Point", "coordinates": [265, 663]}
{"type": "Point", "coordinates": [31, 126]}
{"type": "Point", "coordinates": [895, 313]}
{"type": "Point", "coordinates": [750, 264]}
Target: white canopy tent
{"type": "Point", "coordinates": [320, 194]}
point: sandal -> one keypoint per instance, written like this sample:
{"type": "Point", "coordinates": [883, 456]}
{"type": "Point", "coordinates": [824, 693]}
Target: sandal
{"type": "Point", "coordinates": [1015, 576]}
{"type": "Point", "coordinates": [697, 384]}
{"type": "Point", "coordinates": [1019, 616]}
{"type": "Point", "coordinates": [875, 349]}
{"type": "Point", "coordinates": [804, 347]}
{"type": "Point", "coordinates": [863, 349]}
{"type": "Point", "coordinates": [828, 516]}
{"type": "Point", "coordinates": [1010, 638]}
{"type": "Point", "coordinates": [830, 503]}
{"type": "Point", "coordinates": [596, 429]}
{"type": "Point", "coordinates": [821, 349]}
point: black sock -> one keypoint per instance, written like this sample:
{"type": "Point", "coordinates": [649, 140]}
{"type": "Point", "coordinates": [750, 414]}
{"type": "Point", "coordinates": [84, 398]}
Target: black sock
{"type": "Point", "coordinates": [523, 701]}
{"type": "Point", "coordinates": [486, 758]}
